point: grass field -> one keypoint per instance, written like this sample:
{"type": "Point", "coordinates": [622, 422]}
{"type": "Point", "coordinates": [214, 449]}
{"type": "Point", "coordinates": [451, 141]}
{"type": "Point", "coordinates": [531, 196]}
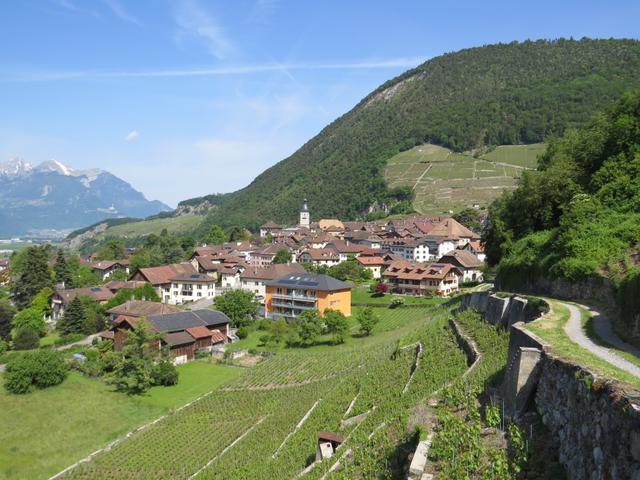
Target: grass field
{"type": "Point", "coordinates": [181, 224]}
{"type": "Point", "coordinates": [47, 430]}
{"type": "Point", "coordinates": [446, 181]}
{"type": "Point", "coordinates": [264, 423]}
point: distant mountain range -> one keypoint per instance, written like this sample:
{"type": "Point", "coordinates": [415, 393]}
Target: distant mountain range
{"type": "Point", "coordinates": [53, 196]}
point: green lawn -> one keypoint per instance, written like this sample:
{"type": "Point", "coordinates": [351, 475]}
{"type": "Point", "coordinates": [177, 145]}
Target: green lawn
{"type": "Point", "coordinates": [49, 339]}
{"type": "Point", "coordinates": [180, 224]}
{"type": "Point", "coordinates": [362, 295]}
{"type": "Point", "coordinates": [47, 430]}
{"type": "Point", "coordinates": [551, 329]}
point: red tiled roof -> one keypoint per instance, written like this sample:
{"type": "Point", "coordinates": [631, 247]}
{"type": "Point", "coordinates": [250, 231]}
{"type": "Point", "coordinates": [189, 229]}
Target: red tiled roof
{"type": "Point", "coordinates": [163, 274]}
{"type": "Point", "coordinates": [217, 336]}
{"type": "Point", "coordinates": [272, 271]}
{"type": "Point", "coordinates": [199, 332]}
{"type": "Point", "coordinates": [371, 260]}
{"type": "Point", "coordinates": [99, 294]}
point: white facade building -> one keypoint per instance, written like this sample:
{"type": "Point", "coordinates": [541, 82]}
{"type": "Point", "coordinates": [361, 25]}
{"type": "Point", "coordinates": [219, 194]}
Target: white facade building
{"type": "Point", "coordinates": [189, 288]}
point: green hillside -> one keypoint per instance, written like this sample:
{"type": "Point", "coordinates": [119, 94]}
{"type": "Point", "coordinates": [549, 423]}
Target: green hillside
{"type": "Point", "coordinates": [577, 217]}
{"type": "Point", "coordinates": [444, 180]}
{"type": "Point", "coordinates": [503, 94]}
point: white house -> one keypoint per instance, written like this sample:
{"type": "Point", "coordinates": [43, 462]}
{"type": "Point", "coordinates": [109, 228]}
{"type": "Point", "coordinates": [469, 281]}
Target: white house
{"type": "Point", "coordinates": [412, 250]}
{"type": "Point", "coordinates": [320, 256]}
{"type": "Point", "coordinates": [191, 287]}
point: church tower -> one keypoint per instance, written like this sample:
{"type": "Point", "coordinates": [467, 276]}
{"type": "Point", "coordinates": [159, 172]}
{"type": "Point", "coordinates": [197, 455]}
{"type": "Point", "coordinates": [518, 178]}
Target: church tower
{"type": "Point", "coordinates": [305, 218]}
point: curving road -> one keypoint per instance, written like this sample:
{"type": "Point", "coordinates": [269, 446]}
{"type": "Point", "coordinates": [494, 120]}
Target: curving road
{"type": "Point", "coordinates": [574, 331]}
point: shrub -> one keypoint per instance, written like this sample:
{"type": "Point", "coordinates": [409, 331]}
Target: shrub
{"type": "Point", "coordinates": [242, 332]}
{"type": "Point", "coordinates": [164, 373]}
{"type": "Point", "coordinates": [25, 338]}
{"type": "Point", "coordinates": [264, 324]}
{"type": "Point", "coordinates": [252, 351]}
{"type": "Point", "coordinates": [396, 302]}
{"type": "Point", "coordinates": [39, 369]}
{"type": "Point", "coordinates": [200, 354]}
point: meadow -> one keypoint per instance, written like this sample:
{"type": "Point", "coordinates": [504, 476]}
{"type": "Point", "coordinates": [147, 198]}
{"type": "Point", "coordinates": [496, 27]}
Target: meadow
{"type": "Point", "coordinates": [47, 430]}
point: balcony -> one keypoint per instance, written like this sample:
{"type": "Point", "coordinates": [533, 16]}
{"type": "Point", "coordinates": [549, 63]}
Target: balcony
{"type": "Point", "coordinates": [296, 297]}
{"type": "Point", "coordinates": [290, 304]}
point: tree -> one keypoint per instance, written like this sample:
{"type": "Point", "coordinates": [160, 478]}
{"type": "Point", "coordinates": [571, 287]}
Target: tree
{"type": "Point", "coordinates": [164, 373]}
{"type": "Point", "coordinates": [31, 318]}
{"type": "Point", "coordinates": [309, 326]}
{"type": "Point", "coordinates": [25, 338]}
{"type": "Point", "coordinates": [336, 324]}
{"type": "Point", "coordinates": [94, 316]}
{"type": "Point", "coordinates": [367, 319]}
{"type": "Point", "coordinates": [74, 318]}
{"type": "Point", "coordinates": [350, 270]}
{"type": "Point", "coordinates": [42, 302]}
{"type": "Point", "coordinates": [62, 271]}
{"type": "Point", "coordinates": [133, 374]}
{"type": "Point", "coordinates": [82, 275]}
{"type": "Point", "coordinates": [237, 233]}
{"type": "Point", "coordinates": [470, 218]}
{"type": "Point", "coordinates": [7, 313]}
{"type": "Point", "coordinates": [39, 369]}
{"type": "Point", "coordinates": [216, 236]}
{"type": "Point", "coordinates": [239, 305]}
{"type": "Point", "coordinates": [112, 249]}
{"type": "Point", "coordinates": [282, 256]}
{"type": "Point", "coordinates": [381, 288]}
{"type": "Point", "coordinates": [34, 277]}
{"type": "Point", "coordinates": [146, 292]}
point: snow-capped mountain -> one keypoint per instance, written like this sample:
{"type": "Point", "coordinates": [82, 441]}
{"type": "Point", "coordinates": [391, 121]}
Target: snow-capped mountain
{"type": "Point", "coordinates": [52, 195]}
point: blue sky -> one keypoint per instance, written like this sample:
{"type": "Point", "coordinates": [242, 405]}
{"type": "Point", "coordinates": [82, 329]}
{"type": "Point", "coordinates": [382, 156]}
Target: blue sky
{"type": "Point", "coordinates": [188, 97]}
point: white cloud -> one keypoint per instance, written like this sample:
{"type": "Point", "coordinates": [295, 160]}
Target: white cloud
{"type": "Point", "coordinates": [391, 63]}
{"type": "Point", "coordinates": [193, 21]}
{"type": "Point", "coordinates": [132, 135]}
{"type": "Point", "coordinates": [119, 11]}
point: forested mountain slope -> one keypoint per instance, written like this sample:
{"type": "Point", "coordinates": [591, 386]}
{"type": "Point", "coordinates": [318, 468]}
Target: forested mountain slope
{"type": "Point", "coordinates": [578, 217]}
{"type": "Point", "coordinates": [491, 95]}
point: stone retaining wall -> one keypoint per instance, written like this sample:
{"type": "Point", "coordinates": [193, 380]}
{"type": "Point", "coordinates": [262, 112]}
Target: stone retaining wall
{"type": "Point", "coordinates": [595, 424]}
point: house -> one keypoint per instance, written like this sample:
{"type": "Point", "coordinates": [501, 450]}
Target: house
{"type": "Point", "coordinates": [374, 263]}
{"type": "Point", "coordinates": [345, 248]}
{"type": "Point", "coordinates": [160, 277]}
{"type": "Point", "coordinates": [265, 255]}
{"type": "Point", "coordinates": [366, 238]}
{"type": "Point", "coordinates": [412, 250]}
{"type": "Point", "coordinates": [270, 228]}
{"type": "Point", "coordinates": [191, 287]}
{"type": "Point", "coordinates": [466, 262]}
{"type": "Point", "coordinates": [253, 278]}
{"type": "Point", "coordinates": [139, 308]}
{"type": "Point", "coordinates": [61, 298]}
{"type": "Point", "coordinates": [439, 246]}
{"type": "Point", "coordinates": [105, 268]}
{"type": "Point", "coordinates": [455, 231]}
{"type": "Point", "coordinates": [476, 248]}
{"type": "Point", "coordinates": [286, 297]}
{"type": "Point", "coordinates": [183, 333]}
{"type": "Point", "coordinates": [319, 256]}
{"type": "Point", "coordinates": [421, 279]}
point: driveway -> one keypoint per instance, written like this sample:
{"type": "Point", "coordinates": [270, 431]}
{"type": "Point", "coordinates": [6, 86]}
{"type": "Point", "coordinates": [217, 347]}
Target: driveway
{"type": "Point", "coordinates": [574, 331]}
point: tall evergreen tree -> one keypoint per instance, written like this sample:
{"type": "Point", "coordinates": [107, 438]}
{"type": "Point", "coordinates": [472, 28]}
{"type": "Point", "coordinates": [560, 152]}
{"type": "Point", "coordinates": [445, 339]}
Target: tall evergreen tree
{"type": "Point", "coordinates": [34, 277]}
{"type": "Point", "coordinates": [74, 318]}
{"type": "Point", "coordinates": [62, 271]}
{"type": "Point", "coordinates": [6, 316]}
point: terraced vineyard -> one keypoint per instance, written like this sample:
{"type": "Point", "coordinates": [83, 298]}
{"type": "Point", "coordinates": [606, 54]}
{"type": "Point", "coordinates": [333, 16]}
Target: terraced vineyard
{"type": "Point", "coordinates": [264, 424]}
{"type": "Point", "coordinates": [444, 180]}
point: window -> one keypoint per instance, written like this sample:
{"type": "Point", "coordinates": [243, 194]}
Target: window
{"type": "Point", "coordinates": [199, 294]}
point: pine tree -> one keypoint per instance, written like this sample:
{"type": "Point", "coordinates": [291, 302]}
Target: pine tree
{"type": "Point", "coordinates": [62, 271]}
{"type": "Point", "coordinates": [74, 318]}
{"type": "Point", "coordinates": [34, 277]}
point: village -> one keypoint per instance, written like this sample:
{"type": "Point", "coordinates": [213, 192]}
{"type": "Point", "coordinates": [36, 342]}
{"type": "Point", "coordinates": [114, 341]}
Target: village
{"type": "Point", "coordinates": [284, 268]}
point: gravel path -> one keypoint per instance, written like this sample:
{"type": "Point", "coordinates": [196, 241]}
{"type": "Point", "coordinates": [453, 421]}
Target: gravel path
{"type": "Point", "coordinates": [573, 329]}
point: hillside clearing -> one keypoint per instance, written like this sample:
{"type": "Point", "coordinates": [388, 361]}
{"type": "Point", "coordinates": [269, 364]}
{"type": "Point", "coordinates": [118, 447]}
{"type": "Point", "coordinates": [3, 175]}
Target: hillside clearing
{"type": "Point", "coordinates": [444, 180]}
